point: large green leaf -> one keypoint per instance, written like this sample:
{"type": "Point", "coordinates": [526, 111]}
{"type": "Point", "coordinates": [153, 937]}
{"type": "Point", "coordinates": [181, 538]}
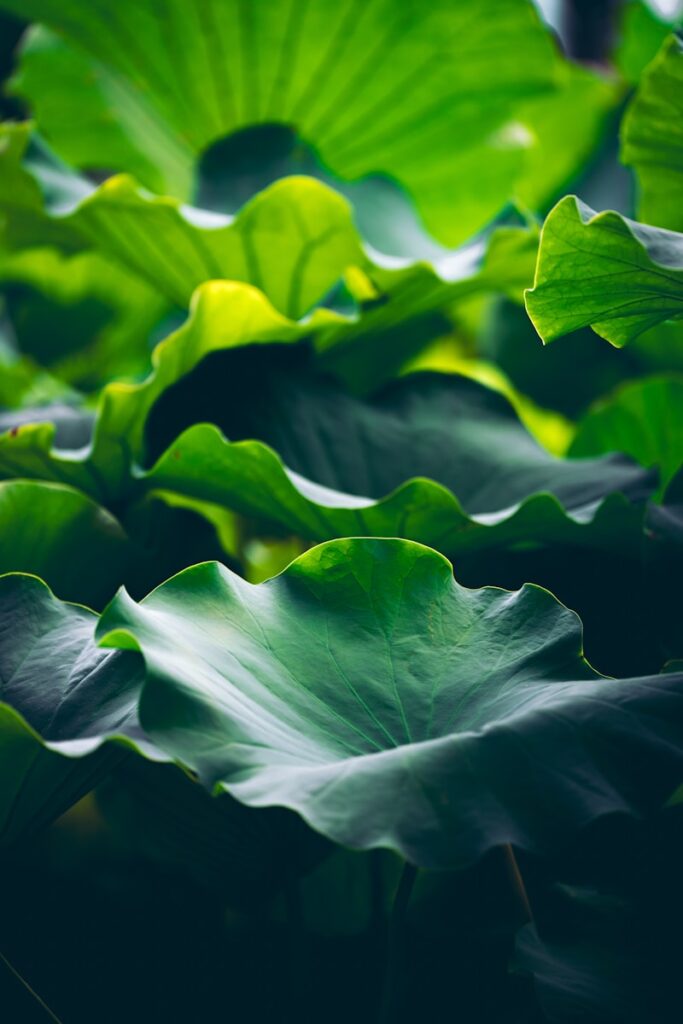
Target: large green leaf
{"type": "Point", "coordinates": [604, 271]}
{"type": "Point", "coordinates": [61, 698]}
{"type": "Point", "coordinates": [644, 419]}
{"type": "Point", "coordinates": [652, 138]}
{"type": "Point", "coordinates": [434, 457]}
{"type": "Point", "coordinates": [365, 689]}
{"type": "Point", "coordinates": [385, 89]}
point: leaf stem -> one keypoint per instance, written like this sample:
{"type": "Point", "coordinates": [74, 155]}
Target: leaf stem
{"type": "Point", "coordinates": [517, 881]}
{"type": "Point", "coordinates": [23, 981]}
{"type": "Point", "coordinates": [395, 949]}
{"type": "Point", "coordinates": [296, 952]}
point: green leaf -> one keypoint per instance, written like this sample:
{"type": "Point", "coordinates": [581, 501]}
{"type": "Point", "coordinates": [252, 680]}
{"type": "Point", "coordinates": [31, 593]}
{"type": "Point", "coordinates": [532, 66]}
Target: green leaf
{"type": "Point", "coordinates": [663, 560]}
{"type": "Point", "coordinates": [76, 545]}
{"type": "Point", "coordinates": [61, 697]}
{"type": "Point", "coordinates": [295, 241]}
{"type": "Point", "coordinates": [643, 419]}
{"type": "Point", "coordinates": [368, 691]}
{"type": "Point", "coordinates": [604, 271]}
{"type": "Point", "coordinates": [351, 465]}
{"type": "Point", "coordinates": [434, 457]}
{"type": "Point", "coordinates": [642, 30]}
{"type": "Point", "coordinates": [564, 143]}
{"type": "Point", "coordinates": [652, 138]}
{"type": "Point", "coordinates": [381, 91]}
{"type": "Point", "coordinates": [82, 315]}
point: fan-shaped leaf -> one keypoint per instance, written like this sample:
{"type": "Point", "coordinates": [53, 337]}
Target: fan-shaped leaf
{"type": "Point", "coordinates": [389, 706]}
{"type": "Point", "coordinates": [435, 457]}
{"type": "Point", "coordinates": [295, 241]}
{"type": "Point", "coordinates": [372, 89]}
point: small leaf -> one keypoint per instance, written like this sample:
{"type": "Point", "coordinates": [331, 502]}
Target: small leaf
{"type": "Point", "coordinates": [604, 271]}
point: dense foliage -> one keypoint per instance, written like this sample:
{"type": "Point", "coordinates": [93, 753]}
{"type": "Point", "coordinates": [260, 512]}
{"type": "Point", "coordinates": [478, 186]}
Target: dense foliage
{"type": "Point", "coordinates": [341, 630]}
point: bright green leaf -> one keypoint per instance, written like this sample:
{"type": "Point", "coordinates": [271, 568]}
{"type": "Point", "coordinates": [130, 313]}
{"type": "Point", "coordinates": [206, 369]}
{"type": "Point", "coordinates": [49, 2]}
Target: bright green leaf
{"type": "Point", "coordinates": [652, 138]}
{"type": "Point", "coordinates": [295, 241]}
{"type": "Point", "coordinates": [604, 271]}
{"type": "Point", "coordinates": [372, 90]}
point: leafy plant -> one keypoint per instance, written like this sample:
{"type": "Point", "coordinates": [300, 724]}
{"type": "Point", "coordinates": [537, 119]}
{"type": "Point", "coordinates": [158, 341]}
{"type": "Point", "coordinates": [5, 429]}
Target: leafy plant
{"type": "Point", "coordinates": [340, 618]}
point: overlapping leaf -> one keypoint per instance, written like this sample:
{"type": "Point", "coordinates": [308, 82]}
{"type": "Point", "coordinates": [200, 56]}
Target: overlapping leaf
{"type": "Point", "coordinates": [384, 86]}
{"type": "Point", "coordinates": [79, 547]}
{"type": "Point", "coordinates": [652, 138]}
{"type": "Point", "coordinates": [81, 315]}
{"type": "Point", "coordinates": [604, 271]}
{"type": "Point", "coordinates": [60, 698]}
{"type": "Point", "coordinates": [295, 241]}
{"type": "Point", "coordinates": [389, 706]}
{"type": "Point", "coordinates": [434, 457]}
{"type": "Point", "coordinates": [644, 419]}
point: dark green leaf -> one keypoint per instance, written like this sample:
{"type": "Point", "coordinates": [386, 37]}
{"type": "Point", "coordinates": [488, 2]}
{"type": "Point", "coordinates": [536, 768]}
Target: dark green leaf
{"type": "Point", "coordinates": [61, 697]}
{"type": "Point", "coordinates": [435, 457]}
{"type": "Point", "coordinates": [391, 707]}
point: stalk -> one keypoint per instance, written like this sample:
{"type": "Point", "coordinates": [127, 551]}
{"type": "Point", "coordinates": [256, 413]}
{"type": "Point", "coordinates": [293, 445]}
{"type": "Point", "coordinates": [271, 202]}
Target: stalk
{"type": "Point", "coordinates": [517, 881]}
{"type": "Point", "coordinates": [395, 953]}
{"type": "Point", "coordinates": [22, 981]}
